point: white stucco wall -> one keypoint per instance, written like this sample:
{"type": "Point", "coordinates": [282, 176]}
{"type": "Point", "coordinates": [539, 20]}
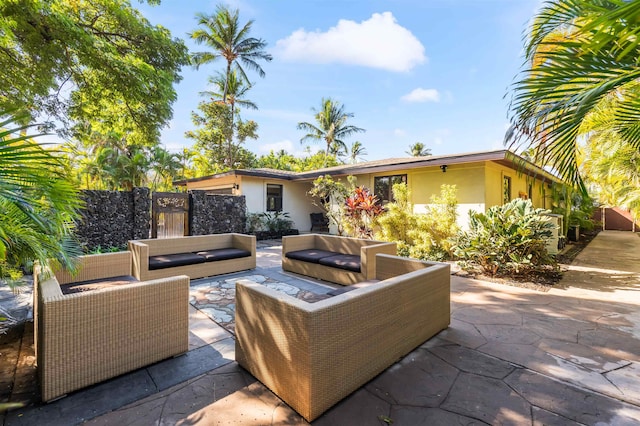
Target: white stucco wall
{"type": "Point", "coordinates": [295, 200]}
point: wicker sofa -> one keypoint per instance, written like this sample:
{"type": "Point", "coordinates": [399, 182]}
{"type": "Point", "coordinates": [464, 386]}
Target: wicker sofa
{"type": "Point", "coordinates": [107, 324]}
{"type": "Point", "coordinates": [340, 260]}
{"type": "Point", "coordinates": [312, 355]}
{"type": "Point", "coordinates": [196, 256]}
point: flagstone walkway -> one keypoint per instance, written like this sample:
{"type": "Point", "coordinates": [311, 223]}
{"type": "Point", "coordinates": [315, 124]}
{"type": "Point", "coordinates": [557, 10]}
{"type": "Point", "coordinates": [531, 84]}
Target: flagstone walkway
{"type": "Point", "coordinates": [511, 356]}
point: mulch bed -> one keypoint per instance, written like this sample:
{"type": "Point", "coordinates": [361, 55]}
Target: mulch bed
{"type": "Point", "coordinates": [541, 280]}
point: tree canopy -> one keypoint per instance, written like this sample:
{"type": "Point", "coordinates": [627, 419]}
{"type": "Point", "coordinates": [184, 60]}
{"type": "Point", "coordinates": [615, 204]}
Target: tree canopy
{"type": "Point", "coordinates": [92, 65]}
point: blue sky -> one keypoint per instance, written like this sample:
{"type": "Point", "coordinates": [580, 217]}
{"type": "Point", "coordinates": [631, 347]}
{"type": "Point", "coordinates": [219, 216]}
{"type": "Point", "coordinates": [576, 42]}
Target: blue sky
{"type": "Point", "coordinates": [430, 71]}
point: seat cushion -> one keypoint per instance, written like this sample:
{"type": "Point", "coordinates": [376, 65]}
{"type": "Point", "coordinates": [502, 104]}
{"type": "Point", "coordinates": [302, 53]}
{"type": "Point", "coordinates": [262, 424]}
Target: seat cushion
{"type": "Point", "coordinates": [348, 262]}
{"type": "Point", "coordinates": [170, 260]}
{"type": "Point", "coordinates": [97, 284]}
{"type": "Point", "coordinates": [223, 254]}
{"type": "Point", "coordinates": [309, 255]}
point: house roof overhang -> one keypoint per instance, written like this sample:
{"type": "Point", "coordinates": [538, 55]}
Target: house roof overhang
{"type": "Point", "coordinates": [503, 157]}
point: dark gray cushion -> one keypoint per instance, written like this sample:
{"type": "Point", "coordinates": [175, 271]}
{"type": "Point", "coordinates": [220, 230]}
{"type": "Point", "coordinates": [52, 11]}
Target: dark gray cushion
{"type": "Point", "coordinates": [310, 255]}
{"type": "Point", "coordinates": [97, 284]}
{"type": "Point", "coordinates": [348, 262]}
{"type": "Point", "coordinates": [170, 260]}
{"type": "Point", "coordinates": [223, 254]}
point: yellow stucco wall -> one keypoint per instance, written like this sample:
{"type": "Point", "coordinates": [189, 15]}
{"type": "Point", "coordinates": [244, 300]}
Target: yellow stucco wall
{"type": "Point", "coordinates": [494, 176]}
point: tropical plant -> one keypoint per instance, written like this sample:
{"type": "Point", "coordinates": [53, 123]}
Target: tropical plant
{"type": "Point", "coordinates": [37, 203]}
{"type": "Point", "coordinates": [581, 55]}
{"type": "Point", "coordinates": [227, 38]}
{"type": "Point", "coordinates": [331, 126]}
{"type": "Point", "coordinates": [165, 167]}
{"type": "Point", "coordinates": [361, 209]}
{"type": "Point", "coordinates": [277, 222]}
{"type": "Point", "coordinates": [611, 170]}
{"type": "Point", "coordinates": [418, 149]}
{"type": "Point", "coordinates": [255, 223]}
{"type": "Point", "coordinates": [236, 90]}
{"type": "Point", "coordinates": [507, 239]}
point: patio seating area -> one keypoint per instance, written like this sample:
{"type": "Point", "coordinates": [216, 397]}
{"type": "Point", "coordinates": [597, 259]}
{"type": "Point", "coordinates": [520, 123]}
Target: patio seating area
{"type": "Point", "coordinates": [509, 356]}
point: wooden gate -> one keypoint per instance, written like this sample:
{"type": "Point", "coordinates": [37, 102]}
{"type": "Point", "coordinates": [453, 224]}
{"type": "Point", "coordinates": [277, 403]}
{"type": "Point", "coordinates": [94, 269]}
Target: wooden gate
{"type": "Point", "coordinates": [170, 214]}
{"type": "Point", "coordinates": [615, 219]}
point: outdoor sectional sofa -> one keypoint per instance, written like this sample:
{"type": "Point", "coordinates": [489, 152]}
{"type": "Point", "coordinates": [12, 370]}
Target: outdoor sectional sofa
{"type": "Point", "coordinates": [196, 256]}
{"type": "Point", "coordinates": [312, 355]}
{"type": "Point", "coordinates": [340, 260]}
{"type": "Point", "coordinates": [102, 322]}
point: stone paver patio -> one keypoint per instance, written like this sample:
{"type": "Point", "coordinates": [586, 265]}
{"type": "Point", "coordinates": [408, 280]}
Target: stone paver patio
{"type": "Point", "coordinates": [511, 356]}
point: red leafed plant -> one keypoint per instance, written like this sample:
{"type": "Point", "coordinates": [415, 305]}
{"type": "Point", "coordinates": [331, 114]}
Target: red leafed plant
{"type": "Point", "coordinates": [361, 209]}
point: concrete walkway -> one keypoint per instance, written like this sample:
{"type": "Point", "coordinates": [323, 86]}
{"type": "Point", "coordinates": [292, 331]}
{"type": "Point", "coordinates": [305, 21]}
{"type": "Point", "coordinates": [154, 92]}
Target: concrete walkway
{"type": "Point", "coordinates": [511, 356]}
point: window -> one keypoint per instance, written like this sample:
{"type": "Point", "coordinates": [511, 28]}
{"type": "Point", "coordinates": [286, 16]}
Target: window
{"type": "Point", "coordinates": [274, 198]}
{"type": "Point", "coordinates": [383, 186]}
{"type": "Point", "coordinates": [506, 189]}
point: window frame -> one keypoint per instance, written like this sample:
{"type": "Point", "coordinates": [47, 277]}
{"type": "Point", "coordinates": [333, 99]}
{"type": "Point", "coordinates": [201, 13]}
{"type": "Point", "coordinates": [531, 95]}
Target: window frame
{"type": "Point", "coordinates": [277, 199]}
{"type": "Point", "coordinates": [388, 197]}
{"type": "Point", "coordinates": [506, 189]}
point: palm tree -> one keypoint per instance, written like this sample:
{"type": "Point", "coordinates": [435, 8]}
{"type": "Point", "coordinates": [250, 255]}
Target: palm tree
{"type": "Point", "coordinates": [581, 55]}
{"type": "Point", "coordinates": [236, 90]}
{"type": "Point", "coordinates": [331, 127]}
{"type": "Point", "coordinates": [418, 149]}
{"type": "Point", "coordinates": [356, 152]}
{"type": "Point", "coordinates": [226, 37]}
{"type": "Point", "coordinates": [37, 202]}
{"type": "Point", "coordinates": [165, 165]}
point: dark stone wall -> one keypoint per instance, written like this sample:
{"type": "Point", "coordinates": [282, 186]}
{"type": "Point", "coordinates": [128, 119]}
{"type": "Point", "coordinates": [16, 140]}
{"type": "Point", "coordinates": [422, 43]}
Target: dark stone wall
{"type": "Point", "coordinates": [141, 213]}
{"type": "Point", "coordinates": [217, 214]}
{"type": "Point", "coordinates": [111, 218]}
{"type": "Point", "coordinates": [106, 220]}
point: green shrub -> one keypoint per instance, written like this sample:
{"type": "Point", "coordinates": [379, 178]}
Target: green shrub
{"type": "Point", "coordinates": [255, 222]}
{"type": "Point", "coordinates": [421, 236]}
{"type": "Point", "coordinates": [434, 237]}
{"type": "Point", "coordinates": [506, 239]}
{"type": "Point", "coordinates": [277, 222]}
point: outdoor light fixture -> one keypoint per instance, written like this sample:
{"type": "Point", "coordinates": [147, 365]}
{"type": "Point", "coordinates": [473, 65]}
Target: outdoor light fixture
{"type": "Point", "coordinates": [443, 168]}
{"type": "Point", "coordinates": [236, 186]}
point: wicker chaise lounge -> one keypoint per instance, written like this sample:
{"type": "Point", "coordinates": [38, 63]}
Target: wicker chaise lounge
{"type": "Point", "coordinates": [312, 355]}
{"type": "Point", "coordinates": [108, 324]}
{"type": "Point", "coordinates": [341, 260]}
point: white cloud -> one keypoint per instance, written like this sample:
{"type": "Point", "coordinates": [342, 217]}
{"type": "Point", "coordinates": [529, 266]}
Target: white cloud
{"type": "Point", "coordinates": [422, 95]}
{"type": "Point", "coordinates": [379, 42]}
{"type": "Point", "coordinates": [399, 132]}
